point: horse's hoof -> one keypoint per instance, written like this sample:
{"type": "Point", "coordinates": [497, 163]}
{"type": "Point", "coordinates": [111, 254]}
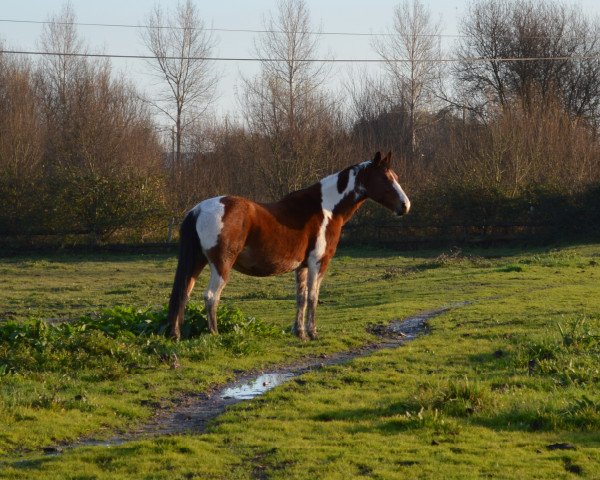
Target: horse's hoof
{"type": "Point", "coordinates": [301, 336]}
{"type": "Point", "coordinates": [313, 335]}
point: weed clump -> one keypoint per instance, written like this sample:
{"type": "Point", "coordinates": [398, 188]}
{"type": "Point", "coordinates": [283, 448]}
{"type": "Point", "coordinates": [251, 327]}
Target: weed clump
{"type": "Point", "coordinates": [122, 340]}
{"type": "Point", "coordinates": [567, 359]}
{"type": "Point", "coordinates": [462, 398]}
{"type": "Point", "coordinates": [456, 398]}
{"type": "Point", "coordinates": [429, 419]}
{"type": "Point", "coordinates": [568, 356]}
{"type": "Point", "coordinates": [456, 257]}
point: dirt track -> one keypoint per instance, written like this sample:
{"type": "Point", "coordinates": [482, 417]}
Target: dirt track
{"type": "Point", "coordinates": [192, 412]}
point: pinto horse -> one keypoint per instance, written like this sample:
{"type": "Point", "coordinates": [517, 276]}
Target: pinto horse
{"type": "Point", "coordinates": [300, 232]}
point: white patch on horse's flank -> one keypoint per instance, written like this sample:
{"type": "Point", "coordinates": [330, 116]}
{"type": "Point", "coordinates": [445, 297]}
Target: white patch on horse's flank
{"type": "Point", "coordinates": [210, 222]}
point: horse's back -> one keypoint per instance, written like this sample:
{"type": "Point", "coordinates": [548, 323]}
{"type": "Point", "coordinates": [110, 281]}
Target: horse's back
{"type": "Point", "coordinates": [261, 239]}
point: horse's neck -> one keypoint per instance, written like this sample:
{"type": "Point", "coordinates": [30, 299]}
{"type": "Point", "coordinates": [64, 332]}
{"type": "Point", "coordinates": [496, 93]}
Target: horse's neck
{"type": "Point", "coordinates": [340, 204]}
{"type": "Point", "coordinates": [348, 212]}
{"type": "Point", "coordinates": [325, 197]}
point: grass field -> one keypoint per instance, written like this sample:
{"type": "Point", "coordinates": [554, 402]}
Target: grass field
{"type": "Point", "coordinates": [485, 394]}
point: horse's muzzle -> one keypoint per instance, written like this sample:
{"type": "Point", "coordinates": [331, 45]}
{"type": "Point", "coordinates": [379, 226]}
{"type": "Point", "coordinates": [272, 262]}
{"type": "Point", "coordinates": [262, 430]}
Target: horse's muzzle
{"type": "Point", "coordinates": [404, 207]}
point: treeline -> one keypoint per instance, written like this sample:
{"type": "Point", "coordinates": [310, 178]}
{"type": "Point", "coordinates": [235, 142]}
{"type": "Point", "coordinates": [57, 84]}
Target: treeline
{"type": "Point", "coordinates": [503, 141]}
{"type": "Point", "coordinates": [79, 152]}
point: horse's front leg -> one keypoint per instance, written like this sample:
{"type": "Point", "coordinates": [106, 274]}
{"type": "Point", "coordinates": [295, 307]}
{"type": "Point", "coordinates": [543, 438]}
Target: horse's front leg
{"type": "Point", "coordinates": [315, 275]}
{"type": "Point", "coordinates": [301, 300]}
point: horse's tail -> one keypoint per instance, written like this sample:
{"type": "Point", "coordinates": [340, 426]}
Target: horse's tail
{"type": "Point", "coordinates": [191, 261]}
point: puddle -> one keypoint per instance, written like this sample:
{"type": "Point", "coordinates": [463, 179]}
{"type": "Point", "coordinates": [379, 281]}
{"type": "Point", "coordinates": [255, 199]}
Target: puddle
{"type": "Point", "coordinates": [258, 386]}
{"type": "Point", "coordinates": [413, 326]}
{"type": "Point", "coordinates": [192, 413]}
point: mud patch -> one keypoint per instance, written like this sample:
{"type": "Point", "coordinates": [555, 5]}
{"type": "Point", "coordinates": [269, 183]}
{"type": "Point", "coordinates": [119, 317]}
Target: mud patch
{"type": "Point", "coordinates": [193, 412]}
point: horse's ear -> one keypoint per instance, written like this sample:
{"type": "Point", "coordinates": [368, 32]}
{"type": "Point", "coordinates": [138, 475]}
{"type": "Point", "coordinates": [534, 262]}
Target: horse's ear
{"type": "Point", "coordinates": [377, 158]}
{"type": "Point", "coordinates": [388, 159]}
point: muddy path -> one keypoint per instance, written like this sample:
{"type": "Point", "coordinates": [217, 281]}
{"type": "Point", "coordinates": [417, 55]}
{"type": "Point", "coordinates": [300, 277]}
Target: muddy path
{"type": "Point", "coordinates": [193, 412]}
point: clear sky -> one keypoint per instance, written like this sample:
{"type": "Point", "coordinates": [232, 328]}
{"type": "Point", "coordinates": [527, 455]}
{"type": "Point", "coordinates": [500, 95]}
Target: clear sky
{"type": "Point", "coordinates": [365, 16]}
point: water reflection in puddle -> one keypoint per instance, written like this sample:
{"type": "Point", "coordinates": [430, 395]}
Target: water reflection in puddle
{"type": "Point", "coordinates": [255, 387]}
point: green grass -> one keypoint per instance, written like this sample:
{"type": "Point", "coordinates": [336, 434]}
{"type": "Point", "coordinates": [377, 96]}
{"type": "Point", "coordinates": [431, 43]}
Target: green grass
{"type": "Point", "coordinates": [481, 396]}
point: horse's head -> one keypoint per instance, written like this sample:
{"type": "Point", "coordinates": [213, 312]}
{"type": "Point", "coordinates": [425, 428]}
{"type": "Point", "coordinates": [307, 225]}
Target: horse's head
{"type": "Point", "coordinates": [380, 183]}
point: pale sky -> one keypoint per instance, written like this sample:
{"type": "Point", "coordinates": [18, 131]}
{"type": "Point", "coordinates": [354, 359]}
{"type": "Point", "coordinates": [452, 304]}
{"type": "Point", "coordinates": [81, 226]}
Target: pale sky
{"type": "Point", "coordinates": [361, 16]}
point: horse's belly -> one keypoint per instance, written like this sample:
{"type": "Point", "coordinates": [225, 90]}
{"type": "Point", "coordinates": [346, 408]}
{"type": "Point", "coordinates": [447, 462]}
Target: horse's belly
{"type": "Point", "coordinates": [263, 264]}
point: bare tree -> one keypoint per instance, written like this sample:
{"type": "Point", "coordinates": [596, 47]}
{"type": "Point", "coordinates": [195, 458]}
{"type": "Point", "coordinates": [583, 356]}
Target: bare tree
{"type": "Point", "coordinates": [57, 80]}
{"type": "Point", "coordinates": [410, 52]}
{"type": "Point", "coordinates": [559, 48]}
{"type": "Point", "coordinates": [375, 119]}
{"type": "Point", "coordinates": [101, 156]}
{"type": "Point", "coordinates": [21, 146]}
{"type": "Point", "coordinates": [284, 104]}
{"type": "Point", "coordinates": [60, 36]}
{"type": "Point", "coordinates": [181, 46]}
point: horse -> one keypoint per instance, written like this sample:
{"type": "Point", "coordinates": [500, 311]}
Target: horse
{"type": "Point", "coordinates": [298, 233]}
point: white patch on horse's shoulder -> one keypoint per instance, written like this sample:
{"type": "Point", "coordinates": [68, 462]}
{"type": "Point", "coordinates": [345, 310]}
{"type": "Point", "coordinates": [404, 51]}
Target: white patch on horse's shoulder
{"type": "Point", "coordinates": [330, 198]}
{"type": "Point", "coordinates": [210, 222]}
{"type": "Point", "coordinates": [321, 243]}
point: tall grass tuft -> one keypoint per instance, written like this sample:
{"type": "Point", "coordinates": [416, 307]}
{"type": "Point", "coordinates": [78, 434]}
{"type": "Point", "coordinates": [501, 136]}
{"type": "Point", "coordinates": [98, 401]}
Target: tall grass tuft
{"type": "Point", "coordinates": [568, 355]}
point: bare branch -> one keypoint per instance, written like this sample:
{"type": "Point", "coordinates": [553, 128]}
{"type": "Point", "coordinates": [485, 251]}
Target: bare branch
{"type": "Point", "coordinates": [413, 37]}
{"type": "Point", "coordinates": [180, 52]}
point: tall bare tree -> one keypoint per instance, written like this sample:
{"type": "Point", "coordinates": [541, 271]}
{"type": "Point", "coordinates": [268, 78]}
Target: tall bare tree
{"type": "Point", "coordinates": [181, 46]}
{"type": "Point", "coordinates": [58, 77]}
{"type": "Point", "coordinates": [410, 53]}
{"type": "Point", "coordinates": [284, 104]}
{"type": "Point", "coordinates": [60, 36]}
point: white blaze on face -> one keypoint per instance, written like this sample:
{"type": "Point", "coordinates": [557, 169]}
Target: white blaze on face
{"type": "Point", "coordinates": [403, 197]}
{"type": "Point", "coordinates": [210, 222]}
{"type": "Point", "coordinates": [330, 198]}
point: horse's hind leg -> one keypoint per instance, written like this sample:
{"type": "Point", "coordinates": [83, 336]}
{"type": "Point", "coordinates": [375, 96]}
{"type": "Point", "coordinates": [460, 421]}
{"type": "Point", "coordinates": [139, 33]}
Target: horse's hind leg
{"type": "Point", "coordinates": [191, 281]}
{"type": "Point", "coordinates": [212, 295]}
{"type": "Point", "coordinates": [190, 264]}
{"type": "Point", "coordinates": [301, 300]}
